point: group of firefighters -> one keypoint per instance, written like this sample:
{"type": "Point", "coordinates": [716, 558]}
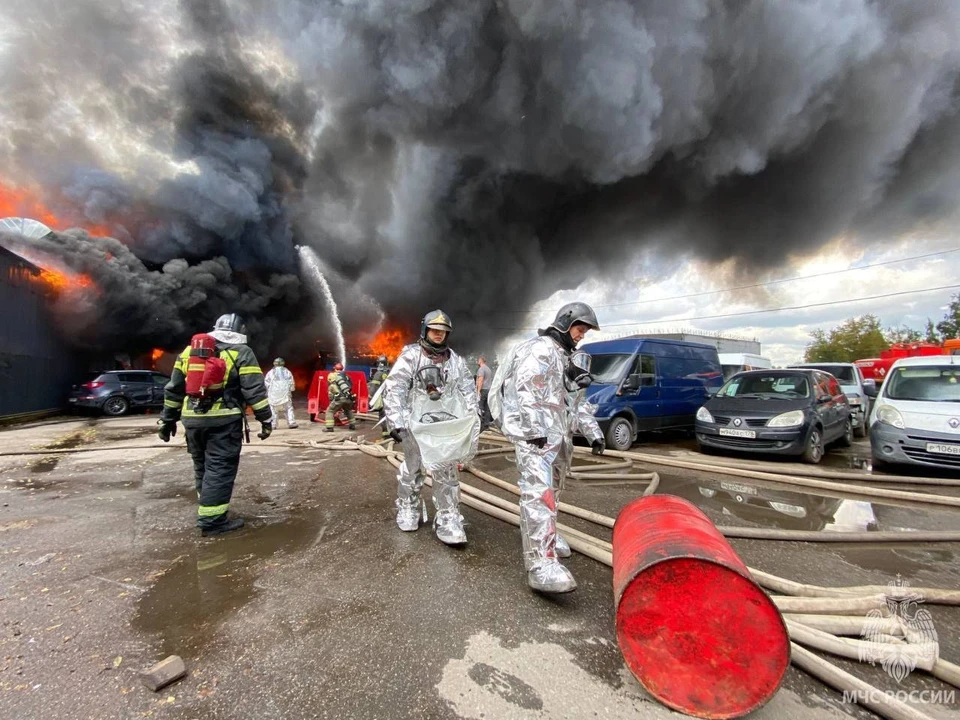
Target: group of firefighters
{"type": "Point", "coordinates": [536, 398]}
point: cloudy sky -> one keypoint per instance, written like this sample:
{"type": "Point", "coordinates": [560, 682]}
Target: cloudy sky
{"type": "Point", "coordinates": [655, 297]}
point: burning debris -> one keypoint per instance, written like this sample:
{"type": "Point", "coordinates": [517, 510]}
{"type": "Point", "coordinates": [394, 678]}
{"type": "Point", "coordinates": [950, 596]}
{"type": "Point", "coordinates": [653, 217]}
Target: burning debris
{"type": "Point", "coordinates": [474, 155]}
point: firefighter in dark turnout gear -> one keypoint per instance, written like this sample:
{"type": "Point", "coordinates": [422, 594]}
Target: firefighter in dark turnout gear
{"type": "Point", "coordinates": [339, 397]}
{"type": "Point", "coordinates": [215, 432]}
{"type": "Point", "coordinates": [380, 374]}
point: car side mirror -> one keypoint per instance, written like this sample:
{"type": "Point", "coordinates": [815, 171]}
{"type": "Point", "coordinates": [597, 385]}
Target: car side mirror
{"type": "Point", "coordinates": [632, 382]}
{"type": "Point", "coordinates": [823, 399]}
{"type": "Point", "coordinates": [870, 388]}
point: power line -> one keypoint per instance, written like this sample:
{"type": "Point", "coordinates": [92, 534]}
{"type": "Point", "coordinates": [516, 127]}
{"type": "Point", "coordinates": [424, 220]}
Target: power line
{"type": "Point", "coordinates": [759, 312]}
{"type": "Point", "coordinates": [755, 285]}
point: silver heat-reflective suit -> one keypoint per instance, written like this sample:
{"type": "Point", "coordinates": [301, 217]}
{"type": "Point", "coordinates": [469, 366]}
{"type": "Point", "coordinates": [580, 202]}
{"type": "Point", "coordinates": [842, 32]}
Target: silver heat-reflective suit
{"type": "Point", "coordinates": [399, 394]}
{"type": "Point", "coordinates": [280, 386]}
{"type": "Point", "coordinates": [533, 401]}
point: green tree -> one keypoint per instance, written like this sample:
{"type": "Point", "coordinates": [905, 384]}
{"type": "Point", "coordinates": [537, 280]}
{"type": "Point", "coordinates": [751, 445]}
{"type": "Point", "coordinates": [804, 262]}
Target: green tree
{"type": "Point", "coordinates": [949, 327]}
{"type": "Point", "coordinates": [902, 334]}
{"type": "Point", "coordinates": [856, 338]}
{"type": "Point", "coordinates": [932, 335]}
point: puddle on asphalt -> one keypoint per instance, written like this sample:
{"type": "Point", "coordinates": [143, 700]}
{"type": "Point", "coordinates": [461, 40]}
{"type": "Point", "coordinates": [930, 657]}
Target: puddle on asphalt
{"type": "Point", "coordinates": [44, 465]}
{"type": "Point", "coordinates": [212, 579]}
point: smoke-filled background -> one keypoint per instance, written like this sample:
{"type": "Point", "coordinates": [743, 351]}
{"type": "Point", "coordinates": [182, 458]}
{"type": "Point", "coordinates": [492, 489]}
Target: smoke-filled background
{"type": "Point", "coordinates": [475, 155]}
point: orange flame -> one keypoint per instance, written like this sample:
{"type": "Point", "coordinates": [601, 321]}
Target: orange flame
{"type": "Point", "coordinates": [62, 282]}
{"type": "Point", "coordinates": [302, 376]}
{"type": "Point", "coordinates": [389, 342]}
{"type": "Point", "coordinates": [156, 354]}
{"type": "Point", "coordinates": [21, 202]}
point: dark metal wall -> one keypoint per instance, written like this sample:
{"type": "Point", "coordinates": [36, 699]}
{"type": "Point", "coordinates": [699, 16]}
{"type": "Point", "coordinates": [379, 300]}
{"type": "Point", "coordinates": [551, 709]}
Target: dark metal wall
{"type": "Point", "coordinates": [35, 366]}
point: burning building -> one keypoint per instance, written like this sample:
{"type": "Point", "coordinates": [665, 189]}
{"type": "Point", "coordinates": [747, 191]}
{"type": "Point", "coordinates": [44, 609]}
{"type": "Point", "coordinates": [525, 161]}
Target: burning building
{"type": "Point", "coordinates": [35, 364]}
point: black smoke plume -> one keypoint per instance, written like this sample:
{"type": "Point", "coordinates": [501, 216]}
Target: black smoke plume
{"type": "Point", "coordinates": [474, 155]}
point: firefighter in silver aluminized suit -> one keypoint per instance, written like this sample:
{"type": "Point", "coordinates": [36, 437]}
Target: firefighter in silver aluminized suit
{"type": "Point", "coordinates": [538, 398]}
{"type": "Point", "coordinates": [428, 367]}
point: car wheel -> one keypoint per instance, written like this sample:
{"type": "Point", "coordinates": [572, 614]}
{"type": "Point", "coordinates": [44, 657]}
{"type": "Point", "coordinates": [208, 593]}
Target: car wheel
{"type": "Point", "coordinates": [813, 453]}
{"type": "Point", "coordinates": [116, 406]}
{"type": "Point", "coordinates": [846, 440]}
{"type": "Point", "coordinates": [860, 430]}
{"type": "Point", "coordinates": [620, 434]}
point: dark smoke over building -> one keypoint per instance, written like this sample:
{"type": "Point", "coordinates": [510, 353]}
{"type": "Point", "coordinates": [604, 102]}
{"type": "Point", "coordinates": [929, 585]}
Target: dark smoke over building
{"type": "Point", "coordinates": [469, 154]}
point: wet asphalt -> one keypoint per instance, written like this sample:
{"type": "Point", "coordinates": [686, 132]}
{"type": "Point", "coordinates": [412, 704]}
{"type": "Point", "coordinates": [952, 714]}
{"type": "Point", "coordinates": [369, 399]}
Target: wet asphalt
{"type": "Point", "coordinates": [321, 607]}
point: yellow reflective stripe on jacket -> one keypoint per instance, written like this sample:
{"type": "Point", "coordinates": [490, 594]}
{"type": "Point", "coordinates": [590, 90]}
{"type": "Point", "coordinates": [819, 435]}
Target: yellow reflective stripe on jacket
{"type": "Point", "coordinates": [260, 405]}
{"type": "Point", "coordinates": [251, 370]}
{"type": "Point", "coordinates": [171, 404]}
{"type": "Point", "coordinates": [212, 510]}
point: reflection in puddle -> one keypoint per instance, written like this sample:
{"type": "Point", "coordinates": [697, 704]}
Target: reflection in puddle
{"type": "Point", "coordinates": [212, 580]}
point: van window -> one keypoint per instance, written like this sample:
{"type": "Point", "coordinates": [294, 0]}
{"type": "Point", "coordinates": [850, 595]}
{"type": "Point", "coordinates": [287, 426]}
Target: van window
{"type": "Point", "coordinates": [937, 384]}
{"type": "Point", "coordinates": [646, 367]}
{"type": "Point", "coordinates": [608, 369]}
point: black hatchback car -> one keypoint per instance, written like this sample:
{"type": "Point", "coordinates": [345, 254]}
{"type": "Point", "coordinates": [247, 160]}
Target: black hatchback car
{"type": "Point", "coordinates": [117, 391]}
{"type": "Point", "coordinates": [783, 412]}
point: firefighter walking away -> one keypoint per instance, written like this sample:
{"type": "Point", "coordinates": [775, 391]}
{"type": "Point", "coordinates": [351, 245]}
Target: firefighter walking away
{"type": "Point", "coordinates": [339, 397]}
{"type": "Point", "coordinates": [213, 381]}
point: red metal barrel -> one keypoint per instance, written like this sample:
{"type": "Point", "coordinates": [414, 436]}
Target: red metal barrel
{"type": "Point", "coordinates": [694, 629]}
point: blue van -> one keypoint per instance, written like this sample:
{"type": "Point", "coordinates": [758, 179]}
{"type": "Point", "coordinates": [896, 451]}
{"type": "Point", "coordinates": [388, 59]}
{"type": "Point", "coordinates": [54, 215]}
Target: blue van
{"type": "Point", "coordinates": [642, 384]}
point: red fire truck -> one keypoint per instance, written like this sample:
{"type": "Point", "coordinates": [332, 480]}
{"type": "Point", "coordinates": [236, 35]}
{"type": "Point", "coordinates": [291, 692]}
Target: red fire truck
{"type": "Point", "coordinates": [877, 368]}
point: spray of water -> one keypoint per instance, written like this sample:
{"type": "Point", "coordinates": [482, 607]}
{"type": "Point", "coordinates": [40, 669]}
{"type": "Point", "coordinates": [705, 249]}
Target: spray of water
{"type": "Point", "coordinates": [310, 259]}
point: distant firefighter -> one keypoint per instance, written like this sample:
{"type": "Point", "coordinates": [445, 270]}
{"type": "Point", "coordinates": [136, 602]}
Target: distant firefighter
{"type": "Point", "coordinates": [377, 378]}
{"type": "Point", "coordinates": [428, 389]}
{"type": "Point", "coordinates": [339, 397]}
{"type": "Point", "coordinates": [538, 398]}
{"type": "Point", "coordinates": [280, 386]}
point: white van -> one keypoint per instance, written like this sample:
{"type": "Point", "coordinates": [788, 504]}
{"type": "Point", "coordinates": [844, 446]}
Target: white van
{"type": "Point", "coordinates": [916, 416]}
{"type": "Point", "coordinates": [732, 363]}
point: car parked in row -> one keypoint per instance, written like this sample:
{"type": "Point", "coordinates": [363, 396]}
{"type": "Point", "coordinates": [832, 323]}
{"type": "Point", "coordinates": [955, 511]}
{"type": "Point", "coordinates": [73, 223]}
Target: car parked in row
{"type": "Point", "coordinates": [855, 387]}
{"type": "Point", "coordinates": [116, 392]}
{"type": "Point", "coordinates": [916, 417]}
{"type": "Point", "coordinates": [782, 412]}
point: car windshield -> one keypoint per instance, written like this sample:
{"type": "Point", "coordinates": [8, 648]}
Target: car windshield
{"type": "Point", "coordinates": [844, 373]}
{"type": "Point", "coordinates": [937, 384]}
{"type": "Point", "coordinates": [609, 369]}
{"type": "Point", "coordinates": [766, 386]}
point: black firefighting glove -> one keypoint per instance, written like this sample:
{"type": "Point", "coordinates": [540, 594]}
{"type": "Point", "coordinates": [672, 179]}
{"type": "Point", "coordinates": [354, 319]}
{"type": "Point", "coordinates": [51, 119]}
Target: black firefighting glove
{"type": "Point", "coordinates": [598, 446]}
{"type": "Point", "coordinates": [397, 435]}
{"type": "Point", "coordinates": [166, 429]}
{"type": "Point", "coordinates": [539, 442]}
{"type": "Point", "coordinates": [265, 430]}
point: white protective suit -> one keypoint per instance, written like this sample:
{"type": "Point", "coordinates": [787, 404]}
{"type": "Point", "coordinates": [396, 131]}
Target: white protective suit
{"type": "Point", "coordinates": [404, 397]}
{"type": "Point", "coordinates": [280, 387]}
{"type": "Point", "coordinates": [530, 399]}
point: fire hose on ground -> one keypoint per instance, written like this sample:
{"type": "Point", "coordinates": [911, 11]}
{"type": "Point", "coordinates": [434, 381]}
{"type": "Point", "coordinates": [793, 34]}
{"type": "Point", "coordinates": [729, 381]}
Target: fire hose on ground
{"type": "Point", "coordinates": [817, 634]}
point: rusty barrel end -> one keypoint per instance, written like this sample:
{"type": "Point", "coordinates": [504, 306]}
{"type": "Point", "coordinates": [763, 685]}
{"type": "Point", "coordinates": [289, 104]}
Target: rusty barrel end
{"type": "Point", "coordinates": [693, 627]}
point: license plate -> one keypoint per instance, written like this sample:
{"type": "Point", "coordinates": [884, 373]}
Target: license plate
{"type": "Point", "coordinates": [738, 488]}
{"type": "Point", "coordinates": [73, 399]}
{"type": "Point", "coordinates": [943, 449]}
{"type": "Point", "coordinates": [730, 432]}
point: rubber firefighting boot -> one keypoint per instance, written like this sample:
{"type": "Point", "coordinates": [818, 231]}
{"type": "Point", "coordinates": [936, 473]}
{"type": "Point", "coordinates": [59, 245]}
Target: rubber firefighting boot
{"type": "Point", "coordinates": [352, 426]}
{"type": "Point", "coordinates": [328, 429]}
{"type": "Point", "coordinates": [234, 523]}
